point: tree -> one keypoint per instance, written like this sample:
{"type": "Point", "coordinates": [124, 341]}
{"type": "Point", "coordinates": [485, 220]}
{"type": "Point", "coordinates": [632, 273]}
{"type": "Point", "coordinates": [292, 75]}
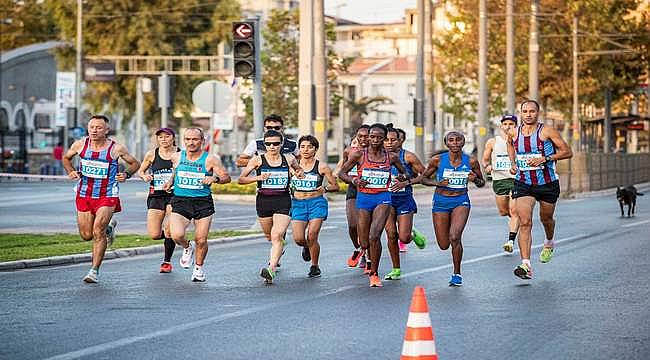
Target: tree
{"type": "Point", "coordinates": [25, 22]}
{"type": "Point", "coordinates": [359, 109]}
{"type": "Point", "coordinates": [457, 65]}
{"type": "Point", "coordinates": [143, 27]}
{"type": "Point", "coordinates": [280, 66]}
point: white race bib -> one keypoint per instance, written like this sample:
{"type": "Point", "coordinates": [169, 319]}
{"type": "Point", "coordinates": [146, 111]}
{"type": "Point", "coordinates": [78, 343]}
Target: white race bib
{"type": "Point", "coordinates": [308, 183]}
{"type": "Point", "coordinates": [94, 169]}
{"type": "Point", "coordinates": [393, 181]}
{"type": "Point", "coordinates": [377, 179]}
{"type": "Point", "coordinates": [160, 179]}
{"type": "Point", "coordinates": [522, 161]}
{"type": "Point", "coordinates": [353, 172]}
{"type": "Point", "coordinates": [190, 180]}
{"type": "Point", "coordinates": [457, 179]}
{"type": "Point", "coordinates": [502, 162]}
{"type": "Point", "coordinates": [278, 179]}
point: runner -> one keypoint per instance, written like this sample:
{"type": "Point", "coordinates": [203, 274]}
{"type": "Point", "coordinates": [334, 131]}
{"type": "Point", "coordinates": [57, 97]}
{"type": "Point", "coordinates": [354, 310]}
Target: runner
{"type": "Point", "coordinates": [159, 201]}
{"type": "Point", "coordinates": [373, 198]}
{"type": "Point", "coordinates": [256, 147]}
{"type": "Point", "coordinates": [451, 203]}
{"type": "Point", "coordinates": [534, 150]}
{"type": "Point", "coordinates": [497, 162]}
{"type": "Point", "coordinates": [98, 190]}
{"type": "Point", "coordinates": [399, 226]}
{"type": "Point", "coordinates": [273, 201]}
{"type": "Point", "coordinates": [194, 171]}
{"type": "Point", "coordinates": [309, 206]}
{"type": "Point", "coordinates": [360, 141]}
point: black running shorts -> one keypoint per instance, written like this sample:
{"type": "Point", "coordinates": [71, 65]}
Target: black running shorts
{"type": "Point", "coordinates": [268, 205]}
{"type": "Point", "coordinates": [548, 193]}
{"type": "Point", "coordinates": [158, 202]}
{"type": "Point", "coordinates": [193, 207]}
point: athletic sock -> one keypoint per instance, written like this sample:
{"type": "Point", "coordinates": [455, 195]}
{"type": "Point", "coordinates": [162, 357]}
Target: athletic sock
{"type": "Point", "coordinates": [526, 262]}
{"type": "Point", "coordinates": [170, 245]}
{"type": "Point", "coordinates": [512, 236]}
{"type": "Point", "coordinates": [549, 243]}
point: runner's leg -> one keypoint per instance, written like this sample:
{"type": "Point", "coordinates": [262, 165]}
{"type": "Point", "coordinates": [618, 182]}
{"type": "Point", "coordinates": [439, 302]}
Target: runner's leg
{"type": "Point", "coordinates": [298, 231]}
{"type": "Point", "coordinates": [392, 236]}
{"type": "Point", "coordinates": [312, 239]}
{"type": "Point", "coordinates": [278, 229]}
{"type": "Point", "coordinates": [201, 231]}
{"type": "Point", "coordinates": [102, 218]}
{"type": "Point", "coordinates": [458, 220]}
{"type": "Point", "coordinates": [525, 206]}
{"type": "Point", "coordinates": [379, 216]}
{"type": "Point", "coordinates": [155, 218]}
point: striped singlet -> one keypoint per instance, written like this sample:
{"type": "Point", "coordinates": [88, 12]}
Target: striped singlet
{"type": "Point", "coordinates": [533, 147]}
{"type": "Point", "coordinates": [98, 171]}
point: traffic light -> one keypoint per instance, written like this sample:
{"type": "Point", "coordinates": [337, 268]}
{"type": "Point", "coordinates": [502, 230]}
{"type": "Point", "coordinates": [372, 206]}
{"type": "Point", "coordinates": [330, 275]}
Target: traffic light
{"type": "Point", "coordinates": [243, 49]}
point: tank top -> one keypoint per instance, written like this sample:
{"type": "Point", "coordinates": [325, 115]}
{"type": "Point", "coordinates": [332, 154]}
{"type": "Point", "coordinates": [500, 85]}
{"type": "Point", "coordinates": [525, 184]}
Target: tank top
{"type": "Point", "coordinates": [161, 170]}
{"type": "Point", "coordinates": [408, 189]}
{"type": "Point", "coordinates": [189, 177]}
{"type": "Point", "coordinates": [377, 174]}
{"type": "Point", "coordinates": [500, 160]}
{"type": "Point", "coordinates": [354, 171]}
{"type": "Point", "coordinates": [312, 181]}
{"type": "Point", "coordinates": [98, 172]}
{"type": "Point", "coordinates": [456, 175]}
{"type": "Point", "coordinates": [532, 146]}
{"type": "Point", "coordinates": [278, 181]}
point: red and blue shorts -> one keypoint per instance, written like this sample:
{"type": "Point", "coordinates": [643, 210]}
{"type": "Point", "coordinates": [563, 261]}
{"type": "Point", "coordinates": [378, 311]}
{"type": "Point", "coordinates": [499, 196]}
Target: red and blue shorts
{"type": "Point", "coordinates": [88, 204]}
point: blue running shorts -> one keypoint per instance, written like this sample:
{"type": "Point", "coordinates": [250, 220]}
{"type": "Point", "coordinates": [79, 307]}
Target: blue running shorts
{"type": "Point", "coordinates": [443, 203]}
{"type": "Point", "coordinates": [404, 204]}
{"type": "Point", "coordinates": [370, 201]}
{"type": "Point", "coordinates": [309, 209]}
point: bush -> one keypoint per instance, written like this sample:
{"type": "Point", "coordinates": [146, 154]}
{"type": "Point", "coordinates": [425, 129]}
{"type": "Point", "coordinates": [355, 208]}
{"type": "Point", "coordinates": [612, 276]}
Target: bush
{"type": "Point", "coordinates": [234, 188]}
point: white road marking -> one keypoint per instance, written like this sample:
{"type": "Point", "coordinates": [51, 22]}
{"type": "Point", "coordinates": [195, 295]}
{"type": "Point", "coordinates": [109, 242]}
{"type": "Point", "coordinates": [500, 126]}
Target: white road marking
{"type": "Point", "coordinates": [636, 223]}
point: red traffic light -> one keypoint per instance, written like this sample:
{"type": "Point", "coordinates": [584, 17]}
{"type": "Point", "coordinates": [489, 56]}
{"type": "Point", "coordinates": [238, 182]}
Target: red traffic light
{"type": "Point", "coordinates": [242, 30]}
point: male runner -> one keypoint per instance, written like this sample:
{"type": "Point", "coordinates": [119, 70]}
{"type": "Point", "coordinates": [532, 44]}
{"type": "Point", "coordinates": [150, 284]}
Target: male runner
{"type": "Point", "coordinates": [534, 149]}
{"type": "Point", "coordinates": [257, 147]}
{"type": "Point", "coordinates": [497, 162]}
{"type": "Point", "coordinates": [98, 190]}
{"type": "Point", "coordinates": [194, 171]}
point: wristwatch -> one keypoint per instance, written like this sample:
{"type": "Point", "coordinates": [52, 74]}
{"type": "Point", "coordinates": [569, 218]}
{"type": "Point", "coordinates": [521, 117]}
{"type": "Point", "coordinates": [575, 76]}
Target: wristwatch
{"type": "Point", "coordinates": [548, 158]}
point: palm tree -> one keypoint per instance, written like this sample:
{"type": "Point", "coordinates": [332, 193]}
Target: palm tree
{"type": "Point", "coordinates": [359, 109]}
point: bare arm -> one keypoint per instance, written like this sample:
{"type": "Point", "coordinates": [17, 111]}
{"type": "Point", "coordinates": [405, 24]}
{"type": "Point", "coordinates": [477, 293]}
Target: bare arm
{"type": "Point", "coordinates": [353, 159]}
{"type": "Point", "coordinates": [67, 159]}
{"type": "Point", "coordinates": [176, 158]}
{"type": "Point", "coordinates": [219, 173]}
{"type": "Point", "coordinates": [253, 164]}
{"type": "Point", "coordinates": [247, 154]}
{"type": "Point", "coordinates": [332, 185]}
{"type": "Point", "coordinates": [511, 152]}
{"type": "Point", "coordinates": [146, 164]}
{"type": "Point", "coordinates": [431, 169]}
{"type": "Point", "coordinates": [132, 163]}
{"type": "Point", "coordinates": [293, 163]}
{"type": "Point", "coordinates": [563, 151]}
{"type": "Point", "coordinates": [487, 155]}
{"type": "Point", "coordinates": [476, 176]}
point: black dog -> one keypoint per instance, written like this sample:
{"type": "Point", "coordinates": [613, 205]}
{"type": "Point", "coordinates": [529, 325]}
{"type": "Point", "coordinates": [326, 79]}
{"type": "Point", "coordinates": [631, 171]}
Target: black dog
{"type": "Point", "coordinates": [627, 196]}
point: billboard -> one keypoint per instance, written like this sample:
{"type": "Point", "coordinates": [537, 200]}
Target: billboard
{"type": "Point", "coordinates": [65, 95]}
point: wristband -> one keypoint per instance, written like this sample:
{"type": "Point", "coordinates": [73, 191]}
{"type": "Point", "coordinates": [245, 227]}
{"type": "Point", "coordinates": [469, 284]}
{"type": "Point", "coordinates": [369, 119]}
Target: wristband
{"type": "Point", "coordinates": [216, 179]}
{"type": "Point", "coordinates": [128, 176]}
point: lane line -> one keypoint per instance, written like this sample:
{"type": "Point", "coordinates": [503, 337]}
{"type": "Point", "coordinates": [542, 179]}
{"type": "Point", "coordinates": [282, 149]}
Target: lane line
{"type": "Point", "coordinates": [220, 318]}
{"type": "Point", "coordinates": [636, 223]}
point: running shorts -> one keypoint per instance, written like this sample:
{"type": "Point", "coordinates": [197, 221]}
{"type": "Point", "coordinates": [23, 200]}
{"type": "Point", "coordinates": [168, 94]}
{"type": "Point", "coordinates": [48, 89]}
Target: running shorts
{"type": "Point", "coordinates": [309, 209]}
{"type": "Point", "coordinates": [351, 193]}
{"type": "Point", "coordinates": [444, 203]}
{"type": "Point", "coordinates": [548, 193]}
{"type": "Point", "coordinates": [88, 204]}
{"type": "Point", "coordinates": [404, 204]}
{"type": "Point", "coordinates": [370, 201]}
{"type": "Point", "coordinates": [159, 202]}
{"type": "Point", "coordinates": [503, 187]}
{"type": "Point", "coordinates": [268, 205]}
{"type": "Point", "coordinates": [193, 207]}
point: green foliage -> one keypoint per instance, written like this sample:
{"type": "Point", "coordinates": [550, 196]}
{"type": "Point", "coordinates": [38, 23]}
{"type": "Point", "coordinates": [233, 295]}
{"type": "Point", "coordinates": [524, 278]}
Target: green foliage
{"type": "Point", "coordinates": [235, 188]}
{"type": "Point", "coordinates": [25, 22]}
{"type": "Point", "coordinates": [143, 27]}
{"type": "Point", "coordinates": [457, 65]}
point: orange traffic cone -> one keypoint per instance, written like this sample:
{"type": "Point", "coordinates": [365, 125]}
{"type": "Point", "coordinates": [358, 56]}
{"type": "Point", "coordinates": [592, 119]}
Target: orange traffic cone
{"type": "Point", "coordinates": [419, 341]}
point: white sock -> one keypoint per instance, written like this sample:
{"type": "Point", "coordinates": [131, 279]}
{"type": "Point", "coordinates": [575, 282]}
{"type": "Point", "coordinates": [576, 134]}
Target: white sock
{"type": "Point", "coordinates": [549, 243]}
{"type": "Point", "coordinates": [526, 262]}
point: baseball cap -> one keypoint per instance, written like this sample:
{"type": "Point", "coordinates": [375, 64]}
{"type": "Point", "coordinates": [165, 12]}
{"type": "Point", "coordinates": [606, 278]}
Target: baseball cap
{"type": "Point", "coordinates": [166, 131]}
{"type": "Point", "coordinates": [510, 117]}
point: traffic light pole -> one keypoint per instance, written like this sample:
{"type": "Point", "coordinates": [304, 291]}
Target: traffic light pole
{"type": "Point", "coordinates": [258, 104]}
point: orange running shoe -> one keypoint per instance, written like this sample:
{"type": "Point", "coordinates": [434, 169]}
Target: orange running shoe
{"type": "Point", "coordinates": [374, 281]}
{"type": "Point", "coordinates": [165, 267]}
{"type": "Point", "coordinates": [353, 260]}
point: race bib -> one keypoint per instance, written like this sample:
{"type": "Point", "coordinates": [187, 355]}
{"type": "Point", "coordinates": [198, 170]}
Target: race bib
{"type": "Point", "coordinates": [279, 179]}
{"type": "Point", "coordinates": [353, 172]}
{"type": "Point", "coordinates": [160, 179]}
{"type": "Point", "coordinates": [309, 183]}
{"type": "Point", "coordinates": [393, 181]}
{"type": "Point", "coordinates": [522, 162]}
{"type": "Point", "coordinates": [502, 163]}
{"type": "Point", "coordinates": [94, 169]}
{"type": "Point", "coordinates": [457, 179]}
{"type": "Point", "coordinates": [377, 179]}
{"type": "Point", "coordinates": [190, 180]}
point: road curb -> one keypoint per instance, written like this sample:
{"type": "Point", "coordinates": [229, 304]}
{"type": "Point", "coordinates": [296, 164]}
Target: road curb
{"type": "Point", "coordinates": [110, 255]}
{"type": "Point", "coordinates": [610, 191]}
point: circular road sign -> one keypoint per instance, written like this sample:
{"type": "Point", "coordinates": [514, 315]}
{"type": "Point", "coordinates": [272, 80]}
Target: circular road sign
{"type": "Point", "coordinates": [212, 96]}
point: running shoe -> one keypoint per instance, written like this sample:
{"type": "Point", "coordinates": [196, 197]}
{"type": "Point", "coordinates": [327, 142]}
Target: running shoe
{"type": "Point", "coordinates": [110, 232]}
{"type": "Point", "coordinates": [187, 259]}
{"type": "Point", "coordinates": [353, 260]}
{"type": "Point", "coordinates": [92, 277]}
{"type": "Point", "coordinates": [165, 267]}
{"type": "Point", "coordinates": [546, 254]}
{"type": "Point", "coordinates": [456, 280]}
{"type": "Point", "coordinates": [305, 254]}
{"type": "Point", "coordinates": [362, 262]}
{"type": "Point", "coordinates": [419, 239]}
{"type": "Point", "coordinates": [268, 275]}
{"type": "Point", "coordinates": [374, 281]}
{"type": "Point", "coordinates": [509, 246]}
{"type": "Point", "coordinates": [198, 274]}
{"type": "Point", "coordinates": [524, 271]}
{"type": "Point", "coordinates": [402, 247]}
{"type": "Point", "coordinates": [314, 271]}
{"type": "Point", "coordinates": [394, 274]}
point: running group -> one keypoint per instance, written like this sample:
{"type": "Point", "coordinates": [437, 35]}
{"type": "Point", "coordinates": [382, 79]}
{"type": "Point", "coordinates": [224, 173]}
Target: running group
{"type": "Point", "coordinates": [291, 183]}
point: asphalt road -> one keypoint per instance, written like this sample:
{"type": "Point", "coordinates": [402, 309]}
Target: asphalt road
{"type": "Point", "coordinates": [590, 302]}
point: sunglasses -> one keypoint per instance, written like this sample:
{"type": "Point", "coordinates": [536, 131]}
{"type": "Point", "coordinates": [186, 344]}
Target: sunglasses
{"type": "Point", "coordinates": [276, 128]}
{"type": "Point", "coordinates": [275, 143]}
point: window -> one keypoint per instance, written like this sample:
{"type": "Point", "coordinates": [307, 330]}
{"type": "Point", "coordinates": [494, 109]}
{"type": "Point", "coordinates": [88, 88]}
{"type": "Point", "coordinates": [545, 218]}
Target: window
{"type": "Point", "coordinates": [382, 90]}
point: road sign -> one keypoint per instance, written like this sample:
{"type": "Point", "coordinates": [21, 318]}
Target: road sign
{"type": "Point", "coordinates": [242, 30]}
{"type": "Point", "coordinates": [64, 97]}
{"type": "Point", "coordinates": [102, 71]}
{"type": "Point", "coordinates": [212, 96]}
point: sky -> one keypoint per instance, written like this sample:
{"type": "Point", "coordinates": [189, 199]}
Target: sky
{"type": "Point", "coordinates": [369, 11]}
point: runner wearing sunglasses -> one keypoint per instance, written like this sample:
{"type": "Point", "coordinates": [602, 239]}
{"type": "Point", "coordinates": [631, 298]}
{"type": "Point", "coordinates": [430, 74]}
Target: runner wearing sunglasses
{"type": "Point", "coordinates": [257, 147]}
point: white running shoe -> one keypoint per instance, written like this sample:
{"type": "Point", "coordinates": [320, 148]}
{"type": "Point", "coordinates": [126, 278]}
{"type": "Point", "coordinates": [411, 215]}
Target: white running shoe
{"type": "Point", "coordinates": [110, 232]}
{"type": "Point", "coordinates": [187, 259]}
{"type": "Point", "coordinates": [92, 277]}
{"type": "Point", "coordinates": [198, 274]}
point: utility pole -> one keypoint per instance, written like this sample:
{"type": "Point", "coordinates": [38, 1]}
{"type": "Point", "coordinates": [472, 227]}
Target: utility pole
{"type": "Point", "coordinates": [575, 140]}
{"type": "Point", "coordinates": [607, 123]}
{"type": "Point", "coordinates": [419, 85]}
{"type": "Point", "coordinates": [305, 77]}
{"type": "Point", "coordinates": [428, 80]}
{"type": "Point", "coordinates": [510, 58]}
{"type": "Point", "coordinates": [139, 117]}
{"type": "Point", "coordinates": [533, 53]}
{"type": "Point", "coordinates": [77, 81]}
{"type": "Point", "coordinates": [163, 98]}
{"type": "Point", "coordinates": [320, 79]}
{"type": "Point", "coordinates": [482, 78]}
{"type": "Point", "coordinates": [258, 104]}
